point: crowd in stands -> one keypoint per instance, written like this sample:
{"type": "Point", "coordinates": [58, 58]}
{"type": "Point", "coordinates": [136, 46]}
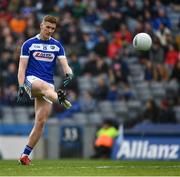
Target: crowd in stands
{"type": "Point", "coordinates": [97, 36]}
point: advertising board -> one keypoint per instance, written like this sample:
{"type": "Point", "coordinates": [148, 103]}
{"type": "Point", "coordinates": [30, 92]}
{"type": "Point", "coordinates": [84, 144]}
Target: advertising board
{"type": "Point", "coordinates": [147, 148]}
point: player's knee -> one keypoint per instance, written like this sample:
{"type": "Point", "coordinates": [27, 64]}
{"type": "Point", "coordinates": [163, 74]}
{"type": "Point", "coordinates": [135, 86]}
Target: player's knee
{"type": "Point", "coordinates": [46, 92]}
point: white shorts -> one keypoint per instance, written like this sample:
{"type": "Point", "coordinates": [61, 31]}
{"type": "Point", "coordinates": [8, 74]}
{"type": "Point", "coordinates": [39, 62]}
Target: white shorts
{"type": "Point", "coordinates": [28, 86]}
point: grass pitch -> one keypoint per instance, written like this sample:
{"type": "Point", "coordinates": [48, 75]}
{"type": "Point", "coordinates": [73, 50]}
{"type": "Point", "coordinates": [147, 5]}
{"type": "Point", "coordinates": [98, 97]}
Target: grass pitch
{"type": "Point", "coordinates": [90, 168]}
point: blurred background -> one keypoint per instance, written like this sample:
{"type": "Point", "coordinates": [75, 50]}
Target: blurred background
{"type": "Point", "coordinates": [136, 93]}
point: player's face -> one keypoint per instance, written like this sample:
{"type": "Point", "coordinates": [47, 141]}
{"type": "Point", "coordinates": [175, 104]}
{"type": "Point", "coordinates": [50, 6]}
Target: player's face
{"type": "Point", "coordinates": [47, 29]}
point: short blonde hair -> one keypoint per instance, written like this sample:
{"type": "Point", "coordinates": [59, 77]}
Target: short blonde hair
{"type": "Point", "coordinates": [50, 19]}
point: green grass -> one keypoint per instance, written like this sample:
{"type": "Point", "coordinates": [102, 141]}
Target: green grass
{"type": "Point", "coordinates": [90, 168]}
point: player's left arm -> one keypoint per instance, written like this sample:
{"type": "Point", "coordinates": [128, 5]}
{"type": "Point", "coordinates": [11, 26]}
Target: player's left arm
{"type": "Point", "coordinates": [68, 73]}
{"type": "Point", "coordinates": [65, 66]}
{"type": "Point", "coordinates": [66, 70]}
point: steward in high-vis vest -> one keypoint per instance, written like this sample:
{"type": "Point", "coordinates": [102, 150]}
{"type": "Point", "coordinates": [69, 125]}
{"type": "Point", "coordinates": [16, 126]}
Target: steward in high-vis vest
{"type": "Point", "coordinates": [105, 138]}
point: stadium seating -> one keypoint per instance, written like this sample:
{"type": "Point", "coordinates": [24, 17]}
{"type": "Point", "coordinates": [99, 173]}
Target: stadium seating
{"type": "Point", "coordinates": [95, 118]}
{"type": "Point", "coordinates": [80, 118]}
{"type": "Point", "coordinates": [122, 108]}
{"type": "Point", "coordinates": [8, 115]}
{"type": "Point", "coordinates": [177, 113]}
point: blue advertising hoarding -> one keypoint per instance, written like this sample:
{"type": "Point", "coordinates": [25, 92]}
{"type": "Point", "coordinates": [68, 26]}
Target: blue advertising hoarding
{"type": "Point", "coordinates": [71, 139]}
{"type": "Point", "coordinates": [146, 148]}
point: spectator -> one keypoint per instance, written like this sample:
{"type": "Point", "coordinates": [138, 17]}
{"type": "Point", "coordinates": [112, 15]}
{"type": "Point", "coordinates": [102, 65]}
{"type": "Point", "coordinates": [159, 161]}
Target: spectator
{"type": "Point", "coordinates": [87, 102]}
{"type": "Point", "coordinates": [166, 114]}
{"type": "Point", "coordinates": [161, 73]}
{"type": "Point", "coordinates": [75, 64]}
{"type": "Point", "coordinates": [101, 89]}
{"type": "Point", "coordinates": [11, 75]}
{"type": "Point", "coordinates": [124, 34]}
{"type": "Point", "coordinates": [161, 33]}
{"type": "Point", "coordinates": [102, 45]}
{"type": "Point", "coordinates": [119, 71]}
{"type": "Point", "coordinates": [161, 19]}
{"type": "Point", "coordinates": [176, 71]}
{"type": "Point", "coordinates": [149, 71]}
{"type": "Point", "coordinates": [148, 29]}
{"type": "Point", "coordinates": [28, 8]}
{"type": "Point", "coordinates": [104, 141]}
{"type": "Point", "coordinates": [156, 53]}
{"type": "Point", "coordinates": [91, 63]}
{"type": "Point", "coordinates": [18, 24]}
{"type": "Point", "coordinates": [78, 9]}
{"type": "Point", "coordinates": [91, 16]}
{"type": "Point", "coordinates": [101, 66]}
{"type": "Point", "coordinates": [74, 46]}
{"type": "Point", "coordinates": [88, 42]}
{"type": "Point", "coordinates": [48, 6]}
{"type": "Point", "coordinates": [151, 114]}
{"type": "Point", "coordinates": [3, 4]}
{"type": "Point", "coordinates": [131, 9]}
{"type": "Point", "coordinates": [110, 23]}
{"type": "Point", "coordinates": [10, 95]}
{"type": "Point", "coordinates": [171, 56]}
{"type": "Point", "coordinates": [5, 16]}
{"type": "Point", "coordinates": [114, 46]}
{"type": "Point", "coordinates": [14, 6]}
{"type": "Point", "coordinates": [112, 94]}
{"type": "Point", "coordinates": [127, 92]}
{"type": "Point", "coordinates": [5, 59]}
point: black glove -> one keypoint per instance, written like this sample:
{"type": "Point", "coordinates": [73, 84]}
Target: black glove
{"type": "Point", "coordinates": [62, 98]}
{"type": "Point", "coordinates": [20, 95]}
{"type": "Point", "coordinates": [67, 79]}
{"type": "Point", "coordinates": [61, 95]}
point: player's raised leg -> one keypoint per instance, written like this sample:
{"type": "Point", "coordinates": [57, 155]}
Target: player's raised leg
{"type": "Point", "coordinates": [41, 88]}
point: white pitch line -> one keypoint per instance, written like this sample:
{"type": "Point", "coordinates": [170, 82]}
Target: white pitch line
{"type": "Point", "coordinates": [107, 167]}
{"type": "Point", "coordinates": [138, 166]}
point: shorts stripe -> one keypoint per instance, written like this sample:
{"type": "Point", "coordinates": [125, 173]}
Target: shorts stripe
{"type": "Point", "coordinates": [28, 87]}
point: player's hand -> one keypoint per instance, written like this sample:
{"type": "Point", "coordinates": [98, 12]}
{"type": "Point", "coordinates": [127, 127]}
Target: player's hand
{"type": "Point", "coordinates": [67, 79]}
{"type": "Point", "coordinates": [20, 95]}
{"type": "Point", "coordinates": [62, 98]}
{"type": "Point", "coordinates": [61, 95]}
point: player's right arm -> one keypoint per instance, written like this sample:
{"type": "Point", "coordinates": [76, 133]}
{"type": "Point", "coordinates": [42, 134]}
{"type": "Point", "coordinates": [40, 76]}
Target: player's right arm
{"type": "Point", "coordinates": [22, 70]}
{"type": "Point", "coordinates": [23, 62]}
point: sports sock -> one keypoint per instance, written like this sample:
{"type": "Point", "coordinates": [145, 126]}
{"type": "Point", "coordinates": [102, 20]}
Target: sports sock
{"type": "Point", "coordinates": [27, 150]}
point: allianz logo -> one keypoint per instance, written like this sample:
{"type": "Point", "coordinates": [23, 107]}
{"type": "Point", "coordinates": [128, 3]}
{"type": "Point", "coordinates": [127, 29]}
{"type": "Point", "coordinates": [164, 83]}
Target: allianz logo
{"type": "Point", "coordinates": [139, 149]}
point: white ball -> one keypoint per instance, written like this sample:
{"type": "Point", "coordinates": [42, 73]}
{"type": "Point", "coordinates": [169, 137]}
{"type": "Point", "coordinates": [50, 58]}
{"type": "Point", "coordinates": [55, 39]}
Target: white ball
{"type": "Point", "coordinates": [142, 41]}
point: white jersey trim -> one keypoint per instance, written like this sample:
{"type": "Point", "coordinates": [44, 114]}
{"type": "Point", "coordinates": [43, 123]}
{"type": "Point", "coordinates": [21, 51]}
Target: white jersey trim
{"type": "Point", "coordinates": [61, 56]}
{"type": "Point", "coordinates": [24, 56]}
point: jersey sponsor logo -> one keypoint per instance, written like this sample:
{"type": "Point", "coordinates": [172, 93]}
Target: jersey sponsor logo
{"type": "Point", "coordinates": [139, 149]}
{"type": "Point", "coordinates": [49, 57]}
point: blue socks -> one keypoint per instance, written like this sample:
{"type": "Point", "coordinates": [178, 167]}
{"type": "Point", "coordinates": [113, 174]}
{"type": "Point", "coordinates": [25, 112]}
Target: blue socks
{"type": "Point", "coordinates": [27, 150]}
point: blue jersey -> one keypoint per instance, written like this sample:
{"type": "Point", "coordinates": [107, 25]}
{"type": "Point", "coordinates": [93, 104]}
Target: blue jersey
{"type": "Point", "coordinates": [42, 55]}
